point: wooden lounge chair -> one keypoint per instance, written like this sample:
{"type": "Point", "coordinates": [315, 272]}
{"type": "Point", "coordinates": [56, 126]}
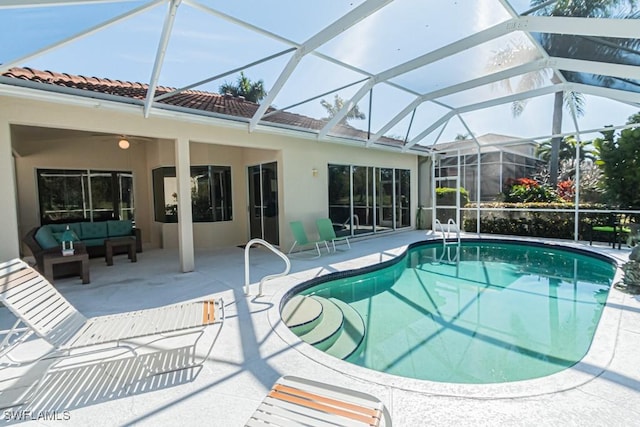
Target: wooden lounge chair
{"type": "Point", "coordinates": [327, 233]}
{"type": "Point", "coordinates": [302, 240]}
{"type": "Point", "coordinates": [297, 401]}
{"type": "Point", "coordinates": [43, 311]}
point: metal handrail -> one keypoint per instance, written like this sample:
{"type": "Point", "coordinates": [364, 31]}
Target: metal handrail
{"type": "Point", "coordinates": [450, 223]}
{"type": "Point", "coordinates": [269, 276]}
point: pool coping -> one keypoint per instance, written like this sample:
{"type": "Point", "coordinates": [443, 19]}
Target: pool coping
{"type": "Point", "coordinates": [592, 365]}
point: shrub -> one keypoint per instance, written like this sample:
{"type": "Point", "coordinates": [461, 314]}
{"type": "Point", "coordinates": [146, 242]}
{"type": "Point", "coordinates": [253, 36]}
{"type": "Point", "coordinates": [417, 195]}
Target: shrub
{"type": "Point", "coordinates": [447, 196]}
{"type": "Point", "coordinates": [525, 190]}
{"type": "Point", "coordinates": [526, 221]}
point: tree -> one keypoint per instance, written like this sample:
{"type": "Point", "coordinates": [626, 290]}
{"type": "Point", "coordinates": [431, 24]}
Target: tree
{"type": "Point", "coordinates": [620, 164]}
{"type": "Point", "coordinates": [566, 150]}
{"type": "Point", "coordinates": [336, 106]}
{"type": "Point", "coordinates": [579, 47]}
{"type": "Point", "coordinates": [565, 46]}
{"type": "Point", "coordinates": [251, 91]}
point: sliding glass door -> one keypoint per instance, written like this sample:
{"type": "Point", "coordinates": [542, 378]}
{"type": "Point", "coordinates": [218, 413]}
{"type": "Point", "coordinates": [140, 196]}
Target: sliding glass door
{"type": "Point", "coordinates": [263, 202]}
{"type": "Point", "coordinates": [366, 199]}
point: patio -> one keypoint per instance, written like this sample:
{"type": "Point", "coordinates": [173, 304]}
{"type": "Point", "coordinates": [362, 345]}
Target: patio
{"type": "Point", "coordinates": [251, 354]}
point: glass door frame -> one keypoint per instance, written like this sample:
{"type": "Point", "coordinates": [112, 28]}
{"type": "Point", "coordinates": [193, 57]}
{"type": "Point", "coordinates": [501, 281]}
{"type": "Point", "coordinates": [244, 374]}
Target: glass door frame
{"type": "Point", "coordinates": [251, 197]}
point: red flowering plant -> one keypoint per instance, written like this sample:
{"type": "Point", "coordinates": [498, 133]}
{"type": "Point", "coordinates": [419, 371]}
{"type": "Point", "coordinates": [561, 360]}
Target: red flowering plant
{"type": "Point", "coordinates": [527, 182]}
{"type": "Point", "coordinates": [566, 190]}
{"type": "Point", "coordinates": [526, 190]}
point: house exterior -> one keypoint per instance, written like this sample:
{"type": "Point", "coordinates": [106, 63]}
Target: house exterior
{"type": "Point", "coordinates": [188, 180]}
{"type": "Point", "coordinates": [502, 158]}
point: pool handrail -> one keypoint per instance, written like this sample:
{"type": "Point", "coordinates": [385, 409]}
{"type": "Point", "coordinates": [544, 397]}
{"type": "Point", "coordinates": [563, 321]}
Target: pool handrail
{"type": "Point", "coordinates": [446, 235]}
{"type": "Point", "coordinates": [269, 276]}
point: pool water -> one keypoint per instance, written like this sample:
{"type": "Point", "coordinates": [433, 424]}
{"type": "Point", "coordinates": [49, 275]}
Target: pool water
{"type": "Point", "coordinates": [477, 312]}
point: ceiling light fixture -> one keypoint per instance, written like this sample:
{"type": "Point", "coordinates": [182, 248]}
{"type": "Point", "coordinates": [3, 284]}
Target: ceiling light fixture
{"type": "Point", "coordinates": [123, 143]}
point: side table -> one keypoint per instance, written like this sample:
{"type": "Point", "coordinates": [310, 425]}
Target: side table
{"type": "Point", "coordinates": [53, 259]}
{"type": "Point", "coordinates": [128, 241]}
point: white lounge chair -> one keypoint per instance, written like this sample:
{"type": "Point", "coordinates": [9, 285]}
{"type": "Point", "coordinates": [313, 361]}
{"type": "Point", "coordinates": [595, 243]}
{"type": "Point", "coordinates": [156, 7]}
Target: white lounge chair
{"type": "Point", "coordinates": [40, 309]}
{"type": "Point", "coordinates": [297, 401]}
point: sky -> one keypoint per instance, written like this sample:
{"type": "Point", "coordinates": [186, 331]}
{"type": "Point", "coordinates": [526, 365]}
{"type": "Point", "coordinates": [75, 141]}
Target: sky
{"type": "Point", "coordinates": [206, 44]}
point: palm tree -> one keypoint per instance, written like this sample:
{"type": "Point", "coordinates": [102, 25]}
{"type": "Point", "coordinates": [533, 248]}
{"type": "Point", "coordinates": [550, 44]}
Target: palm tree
{"type": "Point", "coordinates": [566, 151]}
{"type": "Point", "coordinates": [579, 47]}
{"type": "Point", "coordinates": [336, 106]}
{"type": "Point", "coordinates": [251, 91]}
{"type": "Point", "coordinates": [566, 46]}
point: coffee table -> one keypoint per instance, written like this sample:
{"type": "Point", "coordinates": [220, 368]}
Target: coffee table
{"type": "Point", "coordinates": [53, 259]}
{"type": "Point", "coordinates": [110, 244]}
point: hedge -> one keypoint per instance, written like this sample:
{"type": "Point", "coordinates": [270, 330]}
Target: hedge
{"type": "Point", "coordinates": [534, 223]}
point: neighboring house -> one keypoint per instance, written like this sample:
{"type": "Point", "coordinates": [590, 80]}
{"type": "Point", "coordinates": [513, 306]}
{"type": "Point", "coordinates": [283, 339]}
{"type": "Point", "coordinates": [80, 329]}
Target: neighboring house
{"type": "Point", "coordinates": [191, 159]}
{"type": "Point", "coordinates": [502, 158]}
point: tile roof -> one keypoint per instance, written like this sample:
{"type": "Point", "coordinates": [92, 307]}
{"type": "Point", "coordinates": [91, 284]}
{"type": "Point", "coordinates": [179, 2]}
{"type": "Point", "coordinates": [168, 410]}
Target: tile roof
{"type": "Point", "coordinates": [192, 99]}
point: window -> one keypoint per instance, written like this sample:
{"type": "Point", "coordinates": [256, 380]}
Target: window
{"type": "Point", "coordinates": [365, 199]}
{"type": "Point", "coordinates": [79, 195]}
{"type": "Point", "coordinates": [210, 194]}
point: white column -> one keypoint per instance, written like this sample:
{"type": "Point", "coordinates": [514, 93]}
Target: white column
{"type": "Point", "coordinates": [9, 239]}
{"type": "Point", "coordinates": [185, 219]}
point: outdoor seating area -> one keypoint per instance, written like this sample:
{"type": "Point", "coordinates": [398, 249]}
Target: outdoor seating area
{"type": "Point", "coordinates": [96, 239]}
{"type": "Point", "coordinates": [87, 240]}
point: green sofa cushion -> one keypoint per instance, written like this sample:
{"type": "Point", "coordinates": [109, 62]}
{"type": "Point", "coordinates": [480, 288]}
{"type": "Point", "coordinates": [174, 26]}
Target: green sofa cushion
{"type": "Point", "coordinates": [119, 228]}
{"type": "Point", "coordinates": [93, 242]}
{"type": "Point", "coordinates": [57, 228]}
{"type": "Point", "coordinates": [93, 230]}
{"type": "Point", "coordinates": [45, 238]}
{"type": "Point", "coordinates": [73, 226]}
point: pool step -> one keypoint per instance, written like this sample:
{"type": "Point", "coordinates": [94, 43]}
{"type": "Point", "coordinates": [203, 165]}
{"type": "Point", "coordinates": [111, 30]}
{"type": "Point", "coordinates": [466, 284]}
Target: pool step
{"type": "Point", "coordinates": [338, 330]}
{"type": "Point", "coordinates": [352, 333]}
{"type": "Point", "coordinates": [302, 314]}
{"type": "Point", "coordinates": [327, 331]}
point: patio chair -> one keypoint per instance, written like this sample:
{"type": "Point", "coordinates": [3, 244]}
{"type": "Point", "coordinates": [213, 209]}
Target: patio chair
{"type": "Point", "coordinates": [614, 229]}
{"type": "Point", "coordinates": [43, 311]}
{"type": "Point", "coordinates": [302, 240]}
{"type": "Point", "coordinates": [300, 401]}
{"type": "Point", "coordinates": [327, 233]}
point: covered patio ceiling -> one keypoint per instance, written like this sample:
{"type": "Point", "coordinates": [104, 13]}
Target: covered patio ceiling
{"type": "Point", "coordinates": [420, 72]}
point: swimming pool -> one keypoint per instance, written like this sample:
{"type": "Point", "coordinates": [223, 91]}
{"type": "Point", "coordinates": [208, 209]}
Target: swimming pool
{"type": "Point", "coordinates": [478, 312]}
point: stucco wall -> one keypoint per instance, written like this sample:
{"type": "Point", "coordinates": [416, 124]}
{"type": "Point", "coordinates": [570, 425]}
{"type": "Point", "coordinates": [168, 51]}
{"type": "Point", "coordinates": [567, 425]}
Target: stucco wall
{"type": "Point", "coordinates": [302, 195]}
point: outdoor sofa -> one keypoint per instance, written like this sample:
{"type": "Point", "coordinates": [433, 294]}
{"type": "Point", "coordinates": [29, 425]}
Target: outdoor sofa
{"type": "Point", "coordinates": [90, 238]}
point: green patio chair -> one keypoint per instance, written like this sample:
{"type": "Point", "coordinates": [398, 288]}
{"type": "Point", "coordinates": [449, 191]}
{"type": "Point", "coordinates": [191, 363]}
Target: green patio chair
{"type": "Point", "coordinates": [327, 233]}
{"type": "Point", "coordinates": [301, 239]}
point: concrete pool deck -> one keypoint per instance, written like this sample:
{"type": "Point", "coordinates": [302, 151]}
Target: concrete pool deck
{"type": "Point", "coordinates": [254, 349]}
